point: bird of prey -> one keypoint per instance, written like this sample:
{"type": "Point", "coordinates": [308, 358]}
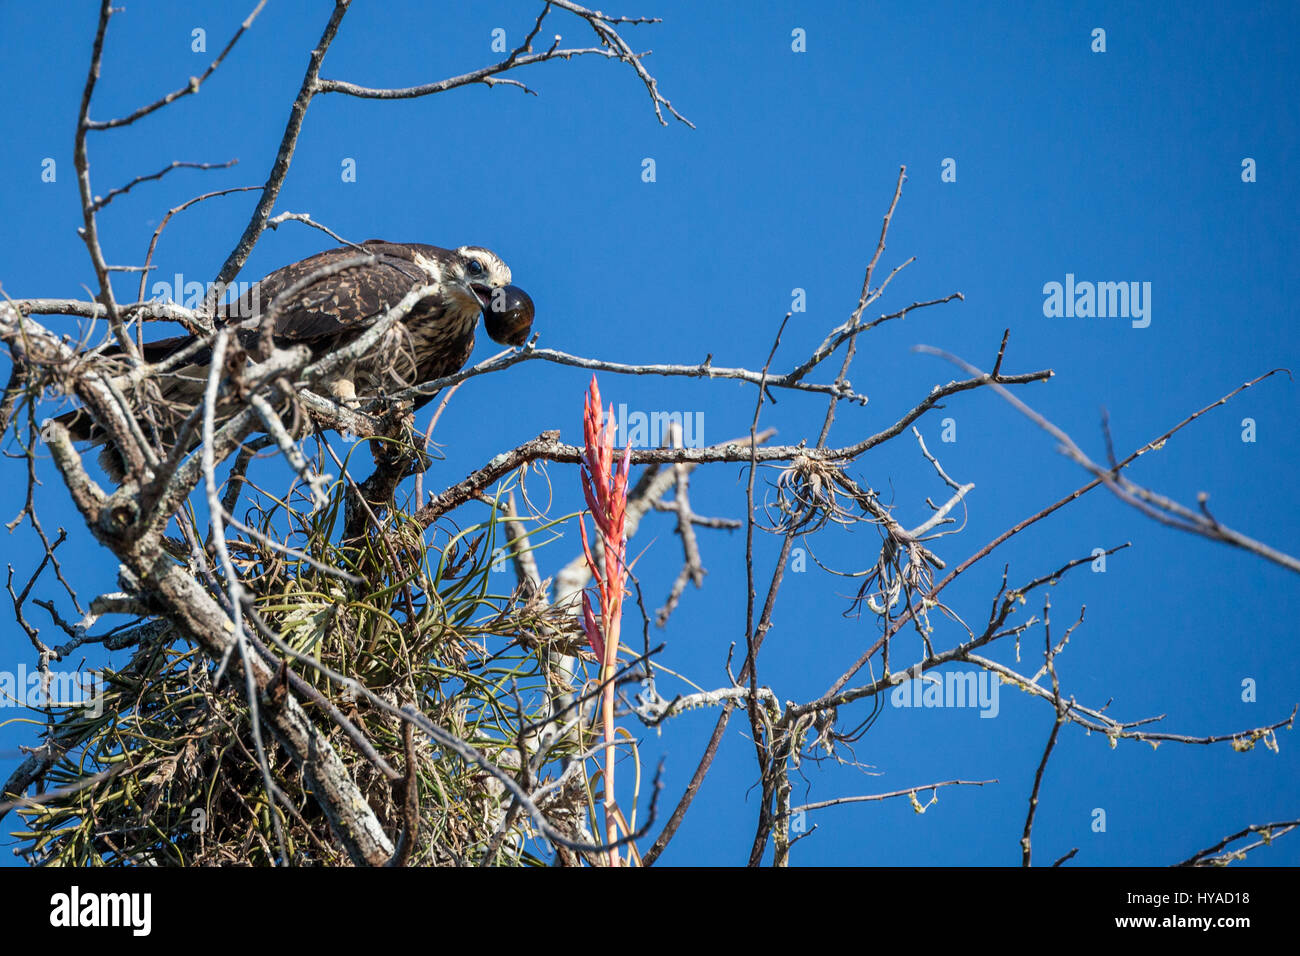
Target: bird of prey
{"type": "Point", "coordinates": [324, 303]}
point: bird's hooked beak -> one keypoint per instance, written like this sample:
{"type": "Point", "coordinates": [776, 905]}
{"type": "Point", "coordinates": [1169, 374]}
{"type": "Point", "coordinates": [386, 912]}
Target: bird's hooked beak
{"type": "Point", "coordinates": [507, 313]}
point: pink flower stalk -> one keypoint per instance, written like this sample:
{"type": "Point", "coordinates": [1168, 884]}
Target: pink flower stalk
{"type": "Point", "coordinates": [605, 488]}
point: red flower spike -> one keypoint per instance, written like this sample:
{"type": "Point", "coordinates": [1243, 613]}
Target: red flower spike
{"type": "Point", "coordinates": [605, 489]}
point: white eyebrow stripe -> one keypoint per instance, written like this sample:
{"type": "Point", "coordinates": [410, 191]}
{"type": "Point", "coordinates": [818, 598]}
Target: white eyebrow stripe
{"type": "Point", "coordinates": [497, 270]}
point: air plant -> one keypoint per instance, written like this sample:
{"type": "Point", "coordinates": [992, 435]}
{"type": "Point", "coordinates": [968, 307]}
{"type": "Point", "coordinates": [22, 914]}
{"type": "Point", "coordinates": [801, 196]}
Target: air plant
{"type": "Point", "coordinates": [605, 488]}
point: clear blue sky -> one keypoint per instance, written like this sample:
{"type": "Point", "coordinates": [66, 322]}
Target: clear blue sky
{"type": "Point", "coordinates": [1116, 166]}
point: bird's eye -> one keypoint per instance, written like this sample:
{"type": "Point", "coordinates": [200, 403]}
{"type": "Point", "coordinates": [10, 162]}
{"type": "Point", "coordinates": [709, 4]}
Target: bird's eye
{"type": "Point", "coordinates": [475, 268]}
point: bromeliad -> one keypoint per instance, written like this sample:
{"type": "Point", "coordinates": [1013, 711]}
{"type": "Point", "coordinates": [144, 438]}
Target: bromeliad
{"type": "Point", "coordinates": [605, 488]}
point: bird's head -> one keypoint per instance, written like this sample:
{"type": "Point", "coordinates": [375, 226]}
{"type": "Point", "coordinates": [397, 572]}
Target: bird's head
{"type": "Point", "coordinates": [479, 274]}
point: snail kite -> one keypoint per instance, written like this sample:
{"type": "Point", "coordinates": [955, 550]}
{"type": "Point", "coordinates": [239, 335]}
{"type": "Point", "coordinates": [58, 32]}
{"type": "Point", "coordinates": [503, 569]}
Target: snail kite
{"type": "Point", "coordinates": [326, 302]}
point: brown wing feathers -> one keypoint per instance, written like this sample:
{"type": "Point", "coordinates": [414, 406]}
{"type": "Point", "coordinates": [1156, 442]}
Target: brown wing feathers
{"type": "Point", "coordinates": [435, 338]}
